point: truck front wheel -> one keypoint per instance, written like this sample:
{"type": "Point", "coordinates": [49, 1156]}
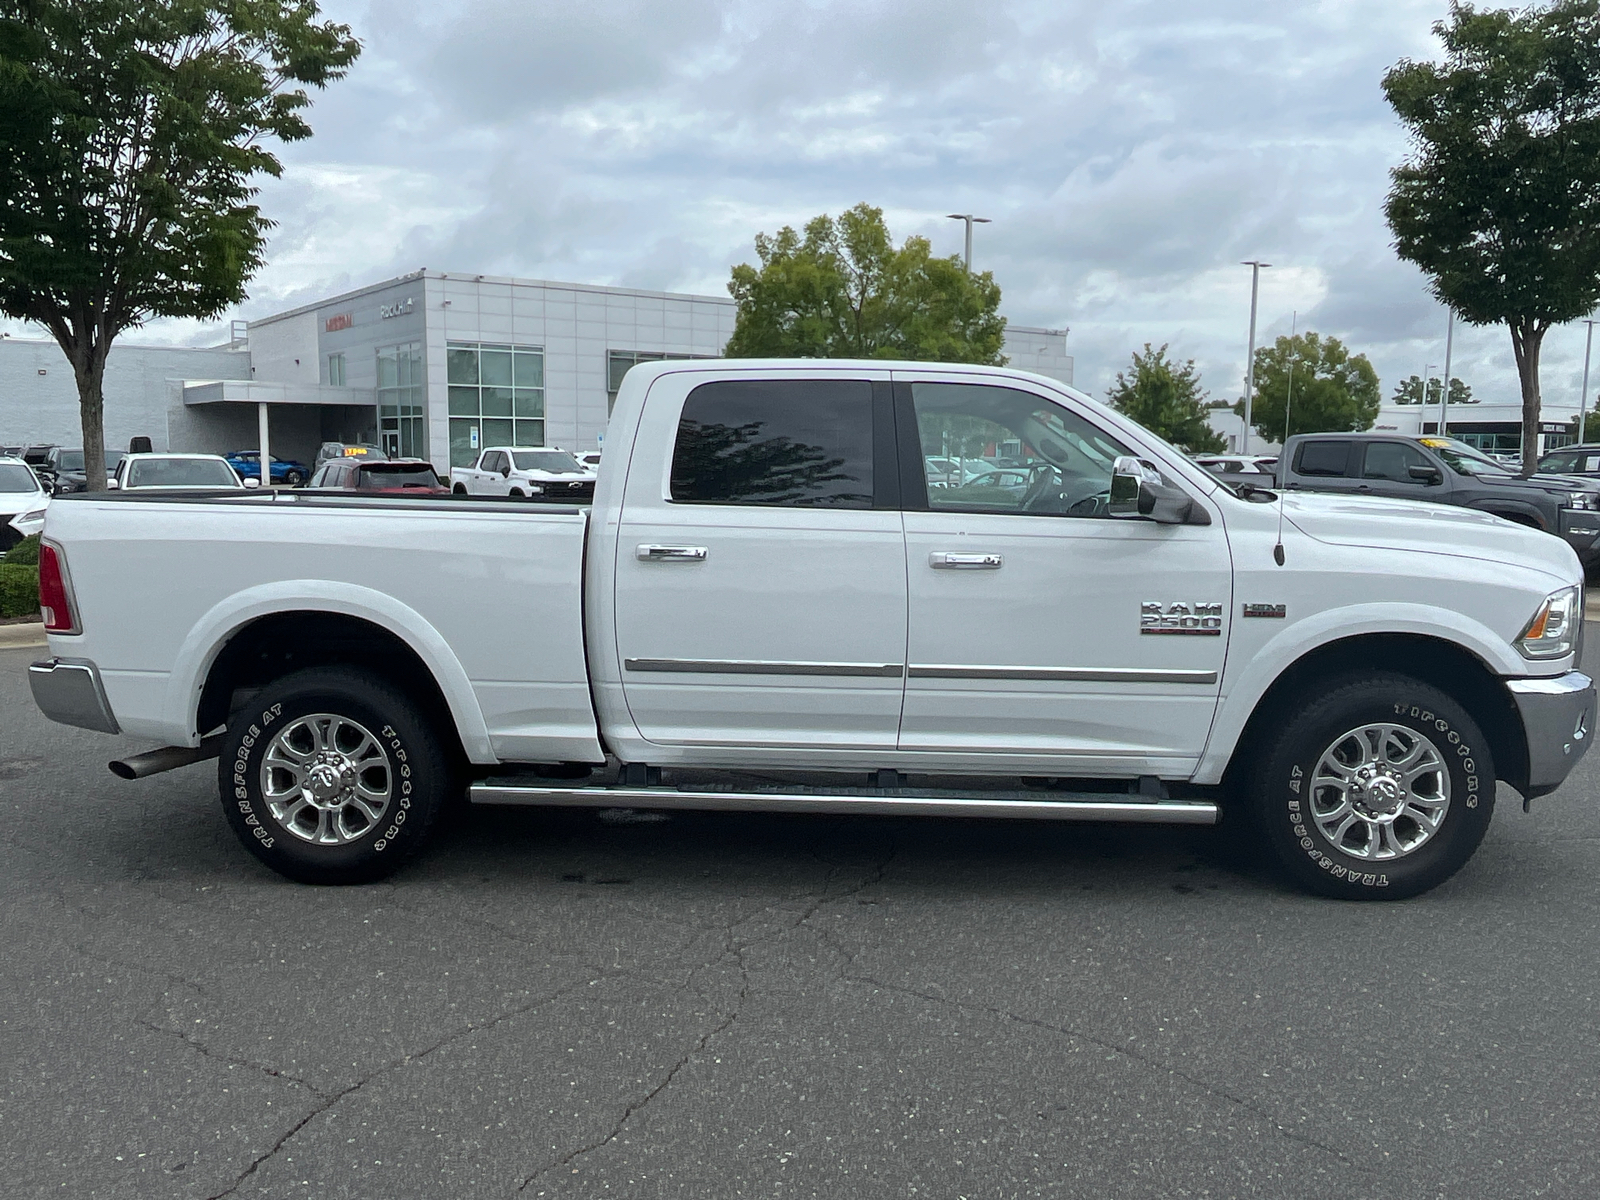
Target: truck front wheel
{"type": "Point", "coordinates": [1380, 788]}
{"type": "Point", "coordinates": [331, 775]}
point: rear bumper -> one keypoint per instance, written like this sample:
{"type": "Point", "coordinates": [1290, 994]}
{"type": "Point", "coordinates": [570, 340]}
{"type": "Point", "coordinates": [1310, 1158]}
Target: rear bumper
{"type": "Point", "coordinates": [1557, 719]}
{"type": "Point", "coordinates": [69, 690]}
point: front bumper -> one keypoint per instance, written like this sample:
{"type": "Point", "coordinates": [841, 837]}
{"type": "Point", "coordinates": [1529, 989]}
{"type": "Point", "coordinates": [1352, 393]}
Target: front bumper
{"type": "Point", "coordinates": [1580, 529]}
{"type": "Point", "coordinates": [1557, 717]}
{"type": "Point", "coordinates": [69, 690]}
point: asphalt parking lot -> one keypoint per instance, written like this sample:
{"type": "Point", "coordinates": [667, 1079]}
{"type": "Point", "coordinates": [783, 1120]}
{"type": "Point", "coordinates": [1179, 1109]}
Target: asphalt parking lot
{"type": "Point", "coordinates": [565, 1004]}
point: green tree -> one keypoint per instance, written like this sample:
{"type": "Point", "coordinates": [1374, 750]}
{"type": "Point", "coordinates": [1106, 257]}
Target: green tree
{"type": "Point", "coordinates": [1409, 391]}
{"type": "Point", "coordinates": [1499, 202]}
{"type": "Point", "coordinates": [1167, 400]}
{"type": "Point", "coordinates": [1323, 387]}
{"type": "Point", "coordinates": [844, 291]}
{"type": "Point", "coordinates": [130, 133]}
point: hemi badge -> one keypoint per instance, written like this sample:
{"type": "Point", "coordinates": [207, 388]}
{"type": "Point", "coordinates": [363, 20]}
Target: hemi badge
{"type": "Point", "coordinates": [1266, 610]}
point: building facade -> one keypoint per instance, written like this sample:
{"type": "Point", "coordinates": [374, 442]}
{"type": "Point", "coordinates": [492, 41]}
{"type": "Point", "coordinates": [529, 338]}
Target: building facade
{"type": "Point", "coordinates": [431, 364]}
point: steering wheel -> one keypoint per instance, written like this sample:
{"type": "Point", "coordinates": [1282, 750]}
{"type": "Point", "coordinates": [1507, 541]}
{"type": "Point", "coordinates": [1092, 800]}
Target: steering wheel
{"type": "Point", "coordinates": [1044, 482]}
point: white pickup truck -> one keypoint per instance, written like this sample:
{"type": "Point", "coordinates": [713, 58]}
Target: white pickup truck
{"type": "Point", "coordinates": [522, 472]}
{"type": "Point", "coordinates": [765, 585]}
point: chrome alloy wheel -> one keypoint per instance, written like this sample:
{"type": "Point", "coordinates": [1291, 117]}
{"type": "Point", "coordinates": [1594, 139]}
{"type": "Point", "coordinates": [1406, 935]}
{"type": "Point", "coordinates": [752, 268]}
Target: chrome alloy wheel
{"type": "Point", "coordinates": [1380, 792]}
{"type": "Point", "coordinates": [326, 779]}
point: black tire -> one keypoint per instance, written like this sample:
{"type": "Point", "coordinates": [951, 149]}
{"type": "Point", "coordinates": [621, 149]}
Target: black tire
{"type": "Point", "coordinates": [294, 478]}
{"type": "Point", "coordinates": [1285, 796]}
{"type": "Point", "coordinates": [418, 775]}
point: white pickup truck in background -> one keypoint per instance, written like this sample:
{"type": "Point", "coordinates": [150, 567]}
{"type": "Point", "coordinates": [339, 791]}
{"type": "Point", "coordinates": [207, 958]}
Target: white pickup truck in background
{"type": "Point", "coordinates": [521, 472]}
{"type": "Point", "coordinates": [766, 582]}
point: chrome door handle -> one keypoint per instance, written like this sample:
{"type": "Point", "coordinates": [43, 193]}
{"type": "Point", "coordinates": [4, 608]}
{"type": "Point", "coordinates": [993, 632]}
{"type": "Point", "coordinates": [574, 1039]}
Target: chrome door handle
{"type": "Point", "coordinates": [941, 560]}
{"type": "Point", "coordinates": [670, 553]}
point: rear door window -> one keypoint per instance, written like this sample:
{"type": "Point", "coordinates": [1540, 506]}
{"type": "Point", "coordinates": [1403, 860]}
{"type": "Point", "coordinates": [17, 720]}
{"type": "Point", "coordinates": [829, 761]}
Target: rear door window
{"type": "Point", "coordinates": [1323, 458]}
{"type": "Point", "coordinates": [793, 443]}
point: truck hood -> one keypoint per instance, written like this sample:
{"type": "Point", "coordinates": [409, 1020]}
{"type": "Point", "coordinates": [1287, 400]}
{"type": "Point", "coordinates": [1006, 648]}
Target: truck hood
{"type": "Point", "coordinates": [1383, 523]}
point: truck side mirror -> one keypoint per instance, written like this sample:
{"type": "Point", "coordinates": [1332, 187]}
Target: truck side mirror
{"type": "Point", "coordinates": [1425, 473]}
{"type": "Point", "coordinates": [112, 485]}
{"type": "Point", "coordinates": [1137, 491]}
{"type": "Point", "coordinates": [505, 472]}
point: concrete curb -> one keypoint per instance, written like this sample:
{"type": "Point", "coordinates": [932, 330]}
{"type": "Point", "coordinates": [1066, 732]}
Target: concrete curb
{"type": "Point", "coordinates": [15, 636]}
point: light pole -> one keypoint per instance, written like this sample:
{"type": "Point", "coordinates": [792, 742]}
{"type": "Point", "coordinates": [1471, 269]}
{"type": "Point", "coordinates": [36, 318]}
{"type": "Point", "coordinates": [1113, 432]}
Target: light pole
{"type": "Point", "coordinates": [1583, 400]}
{"type": "Point", "coordinates": [1444, 397]}
{"type": "Point", "coordinates": [971, 221]}
{"type": "Point", "coordinates": [1255, 266]}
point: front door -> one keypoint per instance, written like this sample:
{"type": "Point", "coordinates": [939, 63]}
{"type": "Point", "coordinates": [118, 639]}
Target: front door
{"type": "Point", "coordinates": [1040, 626]}
{"type": "Point", "coordinates": [1386, 471]}
{"type": "Point", "coordinates": [760, 580]}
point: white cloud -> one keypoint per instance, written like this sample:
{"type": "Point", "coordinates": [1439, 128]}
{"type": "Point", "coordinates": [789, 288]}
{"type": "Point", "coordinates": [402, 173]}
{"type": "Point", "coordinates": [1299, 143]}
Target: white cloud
{"type": "Point", "coordinates": [1130, 154]}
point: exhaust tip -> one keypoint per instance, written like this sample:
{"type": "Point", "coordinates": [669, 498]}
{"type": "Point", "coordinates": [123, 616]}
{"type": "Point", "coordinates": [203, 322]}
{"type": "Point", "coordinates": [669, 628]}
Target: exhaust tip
{"type": "Point", "coordinates": [122, 770]}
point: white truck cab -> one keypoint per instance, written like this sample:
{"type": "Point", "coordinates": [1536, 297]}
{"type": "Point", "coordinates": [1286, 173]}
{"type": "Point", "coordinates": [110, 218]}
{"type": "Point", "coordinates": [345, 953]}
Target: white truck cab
{"type": "Point", "coordinates": [777, 575]}
{"type": "Point", "coordinates": [524, 472]}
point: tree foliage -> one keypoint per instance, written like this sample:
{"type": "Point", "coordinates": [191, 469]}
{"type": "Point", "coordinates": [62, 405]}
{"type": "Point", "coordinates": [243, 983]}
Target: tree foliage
{"type": "Point", "coordinates": [1409, 391]}
{"type": "Point", "coordinates": [844, 291]}
{"type": "Point", "coordinates": [130, 134]}
{"type": "Point", "coordinates": [1166, 399]}
{"type": "Point", "coordinates": [1499, 202]}
{"type": "Point", "coordinates": [1323, 387]}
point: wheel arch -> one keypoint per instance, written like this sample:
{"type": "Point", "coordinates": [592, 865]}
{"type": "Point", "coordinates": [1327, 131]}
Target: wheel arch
{"type": "Point", "coordinates": [265, 633]}
{"type": "Point", "coordinates": [1449, 666]}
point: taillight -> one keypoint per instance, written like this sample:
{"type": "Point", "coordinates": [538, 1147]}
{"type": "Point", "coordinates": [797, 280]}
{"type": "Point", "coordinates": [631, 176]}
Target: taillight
{"type": "Point", "coordinates": [55, 602]}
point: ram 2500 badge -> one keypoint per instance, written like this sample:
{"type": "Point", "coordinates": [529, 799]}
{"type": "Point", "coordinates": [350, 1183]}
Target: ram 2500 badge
{"type": "Point", "coordinates": [766, 582]}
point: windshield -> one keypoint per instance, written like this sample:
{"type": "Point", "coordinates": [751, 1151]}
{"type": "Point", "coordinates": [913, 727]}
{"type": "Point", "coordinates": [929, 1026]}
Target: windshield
{"type": "Point", "coordinates": [544, 460]}
{"type": "Point", "coordinates": [70, 460]}
{"type": "Point", "coordinates": [14, 477]}
{"type": "Point", "coordinates": [181, 472]}
{"type": "Point", "coordinates": [1463, 459]}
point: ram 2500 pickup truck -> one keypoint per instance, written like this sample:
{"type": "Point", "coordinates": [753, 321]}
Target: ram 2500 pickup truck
{"type": "Point", "coordinates": [766, 588]}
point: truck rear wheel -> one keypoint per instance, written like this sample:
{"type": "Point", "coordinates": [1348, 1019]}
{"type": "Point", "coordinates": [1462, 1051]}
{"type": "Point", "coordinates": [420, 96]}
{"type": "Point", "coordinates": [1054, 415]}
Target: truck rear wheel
{"type": "Point", "coordinates": [1380, 788]}
{"type": "Point", "coordinates": [331, 775]}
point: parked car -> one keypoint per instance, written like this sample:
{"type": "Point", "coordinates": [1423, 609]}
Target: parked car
{"type": "Point", "coordinates": [284, 471]}
{"type": "Point", "coordinates": [348, 450]}
{"type": "Point", "coordinates": [177, 471]}
{"type": "Point", "coordinates": [589, 461]}
{"type": "Point", "coordinates": [1238, 464]}
{"type": "Point", "coordinates": [524, 473]}
{"type": "Point", "coordinates": [23, 500]}
{"type": "Point", "coordinates": [391, 475]}
{"type": "Point", "coordinates": [1445, 471]}
{"type": "Point", "coordinates": [1582, 459]}
{"type": "Point", "coordinates": [1361, 672]}
{"type": "Point", "coordinates": [62, 470]}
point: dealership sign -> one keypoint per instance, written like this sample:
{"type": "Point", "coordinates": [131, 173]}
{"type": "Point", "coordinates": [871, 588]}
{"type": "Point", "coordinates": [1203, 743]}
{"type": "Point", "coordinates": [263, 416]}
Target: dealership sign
{"type": "Point", "coordinates": [336, 323]}
{"type": "Point", "coordinates": [385, 311]}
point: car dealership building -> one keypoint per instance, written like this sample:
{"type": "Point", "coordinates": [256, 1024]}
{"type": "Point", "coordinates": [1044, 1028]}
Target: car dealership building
{"type": "Point", "coordinates": [430, 364]}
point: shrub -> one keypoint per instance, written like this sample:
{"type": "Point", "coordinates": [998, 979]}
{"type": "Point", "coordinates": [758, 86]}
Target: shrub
{"type": "Point", "coordinates": [19, 590]}
{"type": "Point", "coordinates": [25, 552]}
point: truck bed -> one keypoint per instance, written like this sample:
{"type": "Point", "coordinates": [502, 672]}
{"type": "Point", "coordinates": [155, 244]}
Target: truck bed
{"type": "Point", "coordinates": [161, 580]}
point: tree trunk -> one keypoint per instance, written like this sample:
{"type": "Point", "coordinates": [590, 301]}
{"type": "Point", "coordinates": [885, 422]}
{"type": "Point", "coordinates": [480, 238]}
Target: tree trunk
{"type": "Point", "coordinates": [89, 369]}
{"type": "Point", "coordinates": [1527, 335]}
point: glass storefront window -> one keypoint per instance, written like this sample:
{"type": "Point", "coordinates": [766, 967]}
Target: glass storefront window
{"type": "Point", "coordinates": [402, 428]}
{"type": "Point", "coordinates": [336, 370]}
{"type": "Point", "coordinates": [496, 397]}
{"type": "Point", "coordinates": [619, 361]}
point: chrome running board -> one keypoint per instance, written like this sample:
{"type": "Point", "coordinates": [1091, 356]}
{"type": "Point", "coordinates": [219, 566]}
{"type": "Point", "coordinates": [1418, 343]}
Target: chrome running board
{"type": "Point", "coordinates": [911, 802]}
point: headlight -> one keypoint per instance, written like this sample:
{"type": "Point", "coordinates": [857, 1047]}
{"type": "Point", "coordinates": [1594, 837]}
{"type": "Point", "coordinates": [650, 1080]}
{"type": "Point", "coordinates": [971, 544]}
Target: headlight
{"type": "Point", "coordinates": [1554, 628]}
{"type": "Point", "coordinates": [535, 489]}
{"type": "Point", "coordinates": [1583, 499]}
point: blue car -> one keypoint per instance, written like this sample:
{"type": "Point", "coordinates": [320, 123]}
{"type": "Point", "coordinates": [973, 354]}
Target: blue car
{"type": "Point", "coordinates": [284, 470]}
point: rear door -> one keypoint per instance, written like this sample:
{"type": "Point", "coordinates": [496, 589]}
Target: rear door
{"type": "Point", "coordinates": [760, 574]}
{"type": "Point", "coordinates": [1326, 465]}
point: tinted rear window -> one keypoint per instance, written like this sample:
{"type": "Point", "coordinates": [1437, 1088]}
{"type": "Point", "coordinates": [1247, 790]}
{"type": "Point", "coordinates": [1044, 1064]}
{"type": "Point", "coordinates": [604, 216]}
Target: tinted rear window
{"type": "Point", "coordinates": [394, 475]}
{"type": "Point", "coordinates": [801, 443]}
{"type": "Point", "coordinates": [1323, 458]}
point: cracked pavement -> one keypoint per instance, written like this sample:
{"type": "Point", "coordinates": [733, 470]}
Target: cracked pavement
{"type": "Point", "coordinates": [559, 1004]}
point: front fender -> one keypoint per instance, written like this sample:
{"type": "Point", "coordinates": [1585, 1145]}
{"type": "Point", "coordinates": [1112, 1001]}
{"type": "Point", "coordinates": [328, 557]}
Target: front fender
{"type": "Point", "coordinates": [1244, 686]}
{"type": "Point", "coordinates": [213, 631]}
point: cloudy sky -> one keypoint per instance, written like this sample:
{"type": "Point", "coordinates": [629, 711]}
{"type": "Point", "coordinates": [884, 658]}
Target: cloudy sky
{"type": "Point", "coordinates": [1130, 154]}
